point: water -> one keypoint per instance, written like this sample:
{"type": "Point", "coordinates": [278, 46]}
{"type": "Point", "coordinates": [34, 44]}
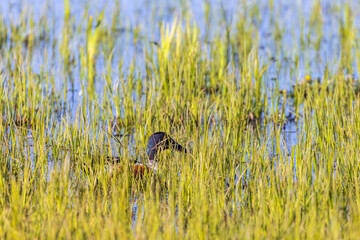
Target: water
{"type": "Point", "coordinates": [284, 22]}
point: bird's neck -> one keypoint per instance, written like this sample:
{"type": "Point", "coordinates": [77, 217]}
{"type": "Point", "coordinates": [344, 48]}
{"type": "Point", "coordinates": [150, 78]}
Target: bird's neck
{"type": "Point", "coordinates": [152, 164]}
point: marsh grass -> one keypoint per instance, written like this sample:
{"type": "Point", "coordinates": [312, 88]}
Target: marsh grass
{"type": "Point", "coordinates": [65, 97]}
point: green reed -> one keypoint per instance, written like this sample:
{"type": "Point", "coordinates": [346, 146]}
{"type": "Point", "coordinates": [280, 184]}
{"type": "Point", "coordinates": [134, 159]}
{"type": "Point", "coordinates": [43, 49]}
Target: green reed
{"type": "Point", "coordinates": [213, 91]}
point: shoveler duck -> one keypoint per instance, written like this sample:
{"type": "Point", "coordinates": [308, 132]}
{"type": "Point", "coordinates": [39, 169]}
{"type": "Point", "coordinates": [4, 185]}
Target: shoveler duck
{"type": "Point", "coordinates": [157, 142]}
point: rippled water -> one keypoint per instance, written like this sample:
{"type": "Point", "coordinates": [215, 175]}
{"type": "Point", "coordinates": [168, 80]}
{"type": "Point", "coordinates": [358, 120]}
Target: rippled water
{"type": "Point", "coordinates": [291, 17]}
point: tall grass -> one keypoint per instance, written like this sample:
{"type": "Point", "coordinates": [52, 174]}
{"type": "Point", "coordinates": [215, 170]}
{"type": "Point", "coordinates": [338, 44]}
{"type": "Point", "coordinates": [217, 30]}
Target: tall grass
{"type": "Point", "coordinates": [99, 87]}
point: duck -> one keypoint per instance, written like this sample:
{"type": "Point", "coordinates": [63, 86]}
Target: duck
{"type": "Point", "coordinates": [157, 142]}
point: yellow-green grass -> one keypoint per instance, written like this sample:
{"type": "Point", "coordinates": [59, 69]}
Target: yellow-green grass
{"type": "Point", "coordinates": [269, 160]}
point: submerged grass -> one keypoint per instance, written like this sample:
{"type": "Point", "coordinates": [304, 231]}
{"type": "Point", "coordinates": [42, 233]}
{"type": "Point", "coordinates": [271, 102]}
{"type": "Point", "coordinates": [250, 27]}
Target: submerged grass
{"type": "Point", "coordinates": [272, 157]}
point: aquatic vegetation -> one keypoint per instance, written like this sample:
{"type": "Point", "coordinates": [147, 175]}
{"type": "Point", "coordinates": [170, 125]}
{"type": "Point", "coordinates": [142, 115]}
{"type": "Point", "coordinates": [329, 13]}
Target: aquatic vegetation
{"type": "Point", "coordinates": [263, 97]}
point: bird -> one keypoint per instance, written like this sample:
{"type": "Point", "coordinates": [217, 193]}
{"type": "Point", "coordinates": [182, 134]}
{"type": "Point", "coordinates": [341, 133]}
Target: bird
{"type": "Point", "coordinates": [161, 141]}
{"type": "Point", "coordinates": [157, 142]}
